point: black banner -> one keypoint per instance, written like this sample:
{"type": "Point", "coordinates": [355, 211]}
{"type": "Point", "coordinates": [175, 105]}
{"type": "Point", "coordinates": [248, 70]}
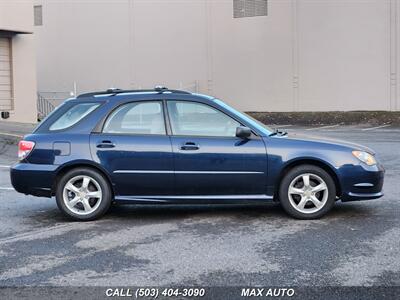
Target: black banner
{"type": "Point", "coordinates": [303, 293]}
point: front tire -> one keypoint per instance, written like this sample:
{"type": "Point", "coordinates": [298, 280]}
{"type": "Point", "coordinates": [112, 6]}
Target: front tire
{"type": "Point", "coordinates": [307, 192]}
{"type": "Point", "coordinates": [83, 194]}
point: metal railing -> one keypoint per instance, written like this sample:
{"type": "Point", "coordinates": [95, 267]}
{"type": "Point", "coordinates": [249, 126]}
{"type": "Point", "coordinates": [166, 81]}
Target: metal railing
{"type": "Point", "coordinates": [191, 87]}
{"type": "Point", "coordinates": [47, 101]}
{"type": "Point", "coordinates": [44, 106]}
{"type": "Point", "coordinates": [55, 97]}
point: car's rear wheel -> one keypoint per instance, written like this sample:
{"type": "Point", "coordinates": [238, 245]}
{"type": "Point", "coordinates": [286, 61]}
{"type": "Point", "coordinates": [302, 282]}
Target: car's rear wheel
{"type": "Point", "coordinates": [83, 194]}
{"type": "Point", "coordinates": [307, 192]}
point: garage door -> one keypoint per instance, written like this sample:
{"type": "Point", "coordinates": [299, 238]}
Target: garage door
{"type": "Point", "coordinates": [6, 95]}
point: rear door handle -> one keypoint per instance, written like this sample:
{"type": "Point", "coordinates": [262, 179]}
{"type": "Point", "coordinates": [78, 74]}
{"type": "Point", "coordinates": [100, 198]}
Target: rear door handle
{"type": "Point", "coordinates": [105, 144]}
{"type": "Point", "coordinates": [190, 146]}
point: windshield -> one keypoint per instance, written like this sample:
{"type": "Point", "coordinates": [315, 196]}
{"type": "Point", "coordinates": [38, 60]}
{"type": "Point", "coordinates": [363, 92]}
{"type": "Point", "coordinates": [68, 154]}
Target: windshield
{"type": "Point", "coordinates": [255, 123]}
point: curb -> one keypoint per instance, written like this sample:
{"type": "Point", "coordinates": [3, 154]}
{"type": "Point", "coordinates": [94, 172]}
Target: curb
{"type": "Point", "coordinates": [327, 118]}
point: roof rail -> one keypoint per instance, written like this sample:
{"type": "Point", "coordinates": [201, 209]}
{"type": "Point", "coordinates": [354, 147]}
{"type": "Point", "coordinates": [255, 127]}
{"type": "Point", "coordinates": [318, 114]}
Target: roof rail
{"type": "Point", "coordinates": [116, 91]}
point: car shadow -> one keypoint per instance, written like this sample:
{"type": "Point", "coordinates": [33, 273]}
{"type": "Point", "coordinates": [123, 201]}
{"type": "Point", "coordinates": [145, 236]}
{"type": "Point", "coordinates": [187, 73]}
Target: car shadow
{"type": "Point", "coordinates": [162, 212]}
{"type": "Point", "coordinates": [268, 210]}
{"type": "Point", "coordinates": [353, 210]}
{"type": "Point", "coordinates": [187, 210]}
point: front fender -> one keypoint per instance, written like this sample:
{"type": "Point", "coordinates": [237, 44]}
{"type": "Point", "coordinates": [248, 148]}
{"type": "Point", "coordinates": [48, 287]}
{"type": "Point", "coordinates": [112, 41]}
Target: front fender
{"type": "Point", "coordinates": [286, 153]}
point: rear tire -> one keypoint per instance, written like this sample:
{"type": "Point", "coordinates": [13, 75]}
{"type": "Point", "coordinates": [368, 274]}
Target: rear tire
{"type": "Point", "coordinates": [307, 192]}
{"type": "Point", "coordinates": [83, 194]}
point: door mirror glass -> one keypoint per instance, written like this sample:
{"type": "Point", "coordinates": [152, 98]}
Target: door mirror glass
{"type": "Point", "coordinates": [243, 132]}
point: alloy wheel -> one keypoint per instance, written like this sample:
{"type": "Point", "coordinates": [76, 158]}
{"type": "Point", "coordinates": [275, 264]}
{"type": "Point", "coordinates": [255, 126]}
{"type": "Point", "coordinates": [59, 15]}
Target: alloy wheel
{"type": "Point", "coordinates": [82, 195]}
{"type": "Point", "coordinates": [308, 193]}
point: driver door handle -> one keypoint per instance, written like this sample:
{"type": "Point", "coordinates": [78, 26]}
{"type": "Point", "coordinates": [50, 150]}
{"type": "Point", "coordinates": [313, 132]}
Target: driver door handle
{"type": "Point", "coordinates": [190, 146]}
{"type": "Point", "coordinates": [105, 144]}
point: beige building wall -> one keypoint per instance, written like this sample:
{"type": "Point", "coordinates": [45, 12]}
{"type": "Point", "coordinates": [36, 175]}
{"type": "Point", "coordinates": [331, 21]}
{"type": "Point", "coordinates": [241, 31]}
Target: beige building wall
{"type": "Point", "coordinates": [344, 55]}
{"type": "Point", "coordinates": [16, 21]}
{"type": "Point", "coordinates": [120, 43]}
{"type": "Point", "coordinates": [306, 55]}
{"type": "Point", "coordinates": [252, 57]}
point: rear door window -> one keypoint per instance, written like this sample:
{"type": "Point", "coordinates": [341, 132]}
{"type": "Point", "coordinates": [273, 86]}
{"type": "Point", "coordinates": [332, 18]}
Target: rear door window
{"type": "Point", "coordinates": [73, 115]}
{"type": "Point", "coordinates": [137, 118]}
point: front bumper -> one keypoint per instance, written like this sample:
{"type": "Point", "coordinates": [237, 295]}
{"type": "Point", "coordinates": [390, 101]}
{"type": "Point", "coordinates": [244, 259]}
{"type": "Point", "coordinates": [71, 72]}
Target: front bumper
{"type": "Point", "coordinates": [361, 182]}
{"type": "Point", "coordinates": [33, 179]}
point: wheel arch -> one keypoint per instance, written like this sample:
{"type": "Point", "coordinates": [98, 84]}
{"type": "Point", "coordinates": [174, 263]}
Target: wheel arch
{"type": "Point", "coordinates": [80, 164]}
{"type": "Point", "coordinates": [310, 161]}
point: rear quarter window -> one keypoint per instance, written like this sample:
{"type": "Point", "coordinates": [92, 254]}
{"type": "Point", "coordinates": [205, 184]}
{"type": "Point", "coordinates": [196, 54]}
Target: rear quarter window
{"type": "Point", "coordinates": [73, 115]}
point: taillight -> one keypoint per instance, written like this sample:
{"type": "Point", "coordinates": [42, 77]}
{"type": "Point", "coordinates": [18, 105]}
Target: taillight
{"type": "Point", "coordinates": [24, 148]}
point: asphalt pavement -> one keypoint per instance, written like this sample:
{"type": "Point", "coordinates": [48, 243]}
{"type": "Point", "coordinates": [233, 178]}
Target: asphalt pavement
{"type": "Point", "coordinates": [356, 244]}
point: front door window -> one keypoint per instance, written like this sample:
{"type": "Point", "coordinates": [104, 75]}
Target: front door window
{"type": "Point", "coordinates": [197, 119]}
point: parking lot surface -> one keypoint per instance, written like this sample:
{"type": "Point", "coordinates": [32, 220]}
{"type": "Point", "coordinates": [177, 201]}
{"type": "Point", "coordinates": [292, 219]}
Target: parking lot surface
{"type": "Point", "coordinates": [356, 244]}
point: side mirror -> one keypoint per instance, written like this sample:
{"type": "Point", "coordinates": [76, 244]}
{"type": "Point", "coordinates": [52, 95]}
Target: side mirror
{"type": "Point", "coordinates": [243, 132]}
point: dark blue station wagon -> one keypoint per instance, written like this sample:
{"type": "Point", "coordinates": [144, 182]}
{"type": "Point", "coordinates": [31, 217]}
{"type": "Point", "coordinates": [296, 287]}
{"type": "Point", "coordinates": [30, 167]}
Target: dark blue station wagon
{"type": "Point", "coordinates": [168, 146]}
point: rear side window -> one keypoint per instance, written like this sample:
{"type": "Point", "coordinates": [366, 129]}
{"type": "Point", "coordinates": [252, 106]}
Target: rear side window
{"type": "Point", "coordinates": [73, 115]}
{"type": "Point", "coordinates": [137, 118]}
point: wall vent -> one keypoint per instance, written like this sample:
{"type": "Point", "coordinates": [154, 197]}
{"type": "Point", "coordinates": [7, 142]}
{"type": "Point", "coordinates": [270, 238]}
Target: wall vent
{"type": "Point", "coordinates": [38, 15]}
{"type": "Point", "coordinates": [250, 8]}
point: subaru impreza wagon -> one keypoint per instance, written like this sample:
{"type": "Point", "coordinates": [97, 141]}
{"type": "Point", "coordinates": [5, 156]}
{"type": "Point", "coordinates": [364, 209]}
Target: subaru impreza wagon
{"type": "Point", "coordinates": [170, 146]}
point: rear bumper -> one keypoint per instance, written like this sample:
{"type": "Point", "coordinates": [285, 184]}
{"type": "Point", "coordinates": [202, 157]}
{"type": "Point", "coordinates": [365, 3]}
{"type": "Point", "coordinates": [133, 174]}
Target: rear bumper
{"type": "Point", "coordinates": [33, 179]}
{"type": "Point", "coordinates": [362, 183]}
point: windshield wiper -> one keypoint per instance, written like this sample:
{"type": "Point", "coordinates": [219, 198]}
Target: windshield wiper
{"type": "Point", "coordinates": [277, 131]}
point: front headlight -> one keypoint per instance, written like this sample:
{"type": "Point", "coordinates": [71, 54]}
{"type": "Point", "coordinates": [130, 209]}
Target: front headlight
{"type": "Point", "coordinates": [365, 157]}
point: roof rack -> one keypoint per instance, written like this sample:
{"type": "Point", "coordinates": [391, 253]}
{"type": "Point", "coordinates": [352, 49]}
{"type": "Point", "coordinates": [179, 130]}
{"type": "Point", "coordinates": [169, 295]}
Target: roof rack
{"type": "Point", "coordinates": [116, 91]}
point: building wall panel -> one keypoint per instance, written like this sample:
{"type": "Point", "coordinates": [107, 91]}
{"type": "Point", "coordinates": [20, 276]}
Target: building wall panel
{"type": "Point", "coordinates": [305, 55]}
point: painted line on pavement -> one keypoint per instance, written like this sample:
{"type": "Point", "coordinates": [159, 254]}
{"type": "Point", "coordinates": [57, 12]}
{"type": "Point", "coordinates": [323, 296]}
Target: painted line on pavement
{"type": "Point", "coordinates": [10, 134]}
{"type": "Point", "coordinates": [377, 127]}
{"type": "Point", "coordinates": [45, 232]}
{"type": "Point", "coordinates": [4, 167]}
{"type": "Point", "coordinates": [6, 189]}
{"type": "Point", "coordinates": [323, 127]}
{"type": "Point", "coordinates": [279, 126]}
{"type": "Point", "coordinates": [32, 233]}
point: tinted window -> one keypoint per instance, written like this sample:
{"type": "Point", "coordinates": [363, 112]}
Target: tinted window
{"type": "Point", "coordinates": [136, 118]}
{"type": "Point", "coordinates": [73, 115]}
{"type": "Point", "coordinates": [196, 119]}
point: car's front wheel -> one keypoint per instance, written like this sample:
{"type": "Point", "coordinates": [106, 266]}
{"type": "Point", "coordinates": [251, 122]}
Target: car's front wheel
{"type": "Point", "coordinates": [307, 192]}
{"type": "Point", "coordinates": [83, 194]}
